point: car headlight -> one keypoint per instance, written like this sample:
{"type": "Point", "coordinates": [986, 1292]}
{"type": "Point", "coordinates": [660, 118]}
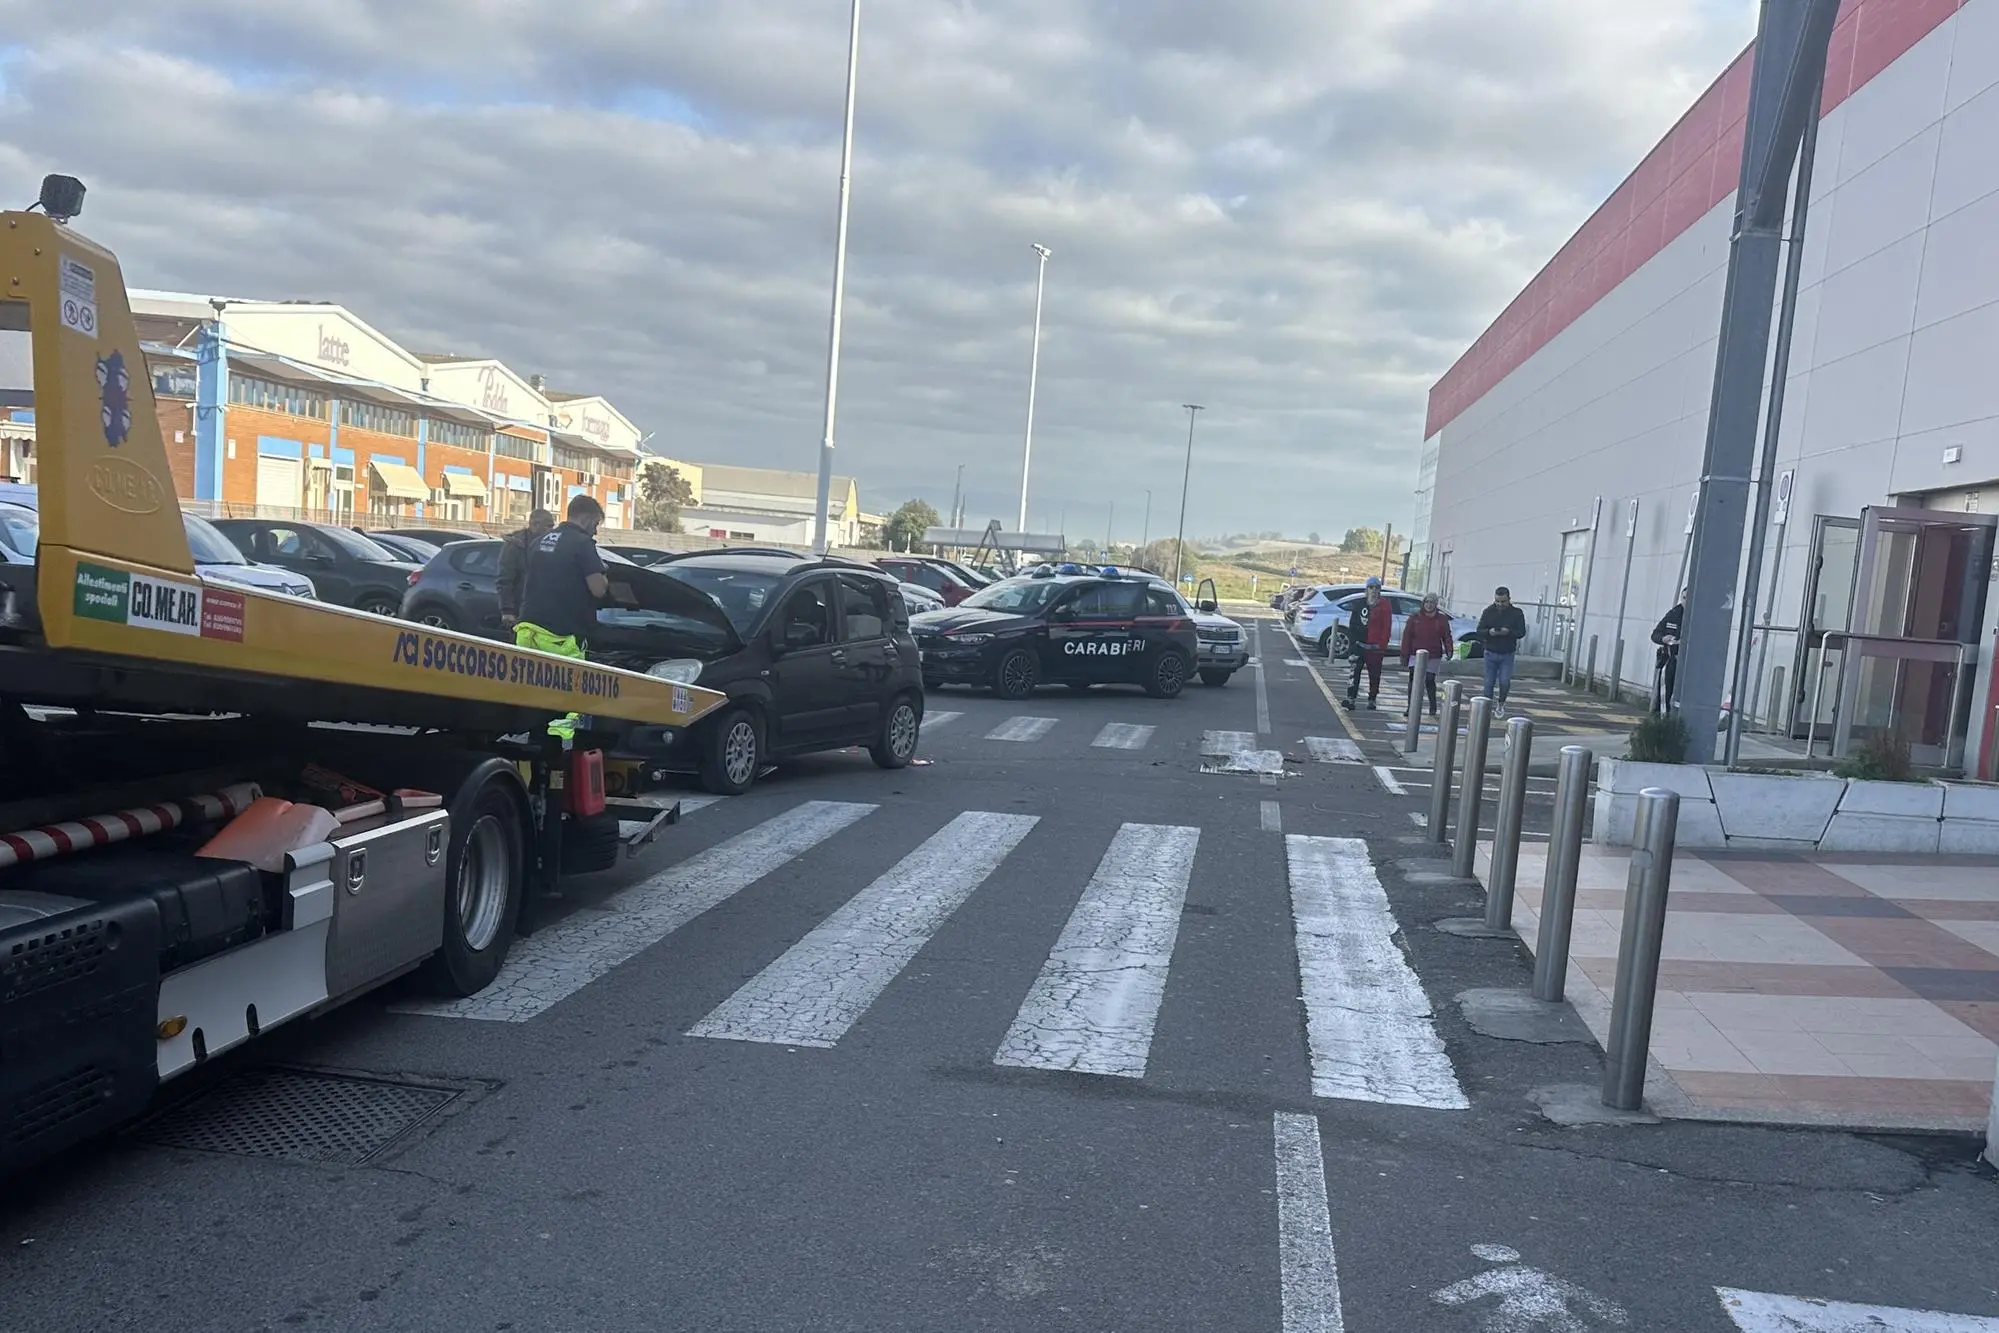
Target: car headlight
{"type": "Point", "coordinates": [680, 670]}
{"type": "Point", "coordinates": [969, 638]}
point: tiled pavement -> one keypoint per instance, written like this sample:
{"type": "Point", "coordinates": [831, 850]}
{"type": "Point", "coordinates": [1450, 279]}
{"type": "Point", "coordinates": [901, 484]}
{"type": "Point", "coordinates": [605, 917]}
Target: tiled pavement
{"type": "Point", "coordinates": [1840, 989]}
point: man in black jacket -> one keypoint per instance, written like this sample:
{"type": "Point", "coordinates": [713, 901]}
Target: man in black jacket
{"type": "Point", "coordinates": [514, 548]}
{"type": "Point", "coordinates": [1667, 635]}
{"type": "Point", "coordinates": [1501, 629]}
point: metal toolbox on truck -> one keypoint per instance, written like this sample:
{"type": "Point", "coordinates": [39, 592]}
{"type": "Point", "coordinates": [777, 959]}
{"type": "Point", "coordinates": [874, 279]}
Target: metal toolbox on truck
{"type": "Point", "coordinates": [388, 897]}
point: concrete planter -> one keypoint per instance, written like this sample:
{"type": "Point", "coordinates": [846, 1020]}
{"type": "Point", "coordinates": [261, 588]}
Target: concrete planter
{"type": "Point", "coordinates": [1800, 812]}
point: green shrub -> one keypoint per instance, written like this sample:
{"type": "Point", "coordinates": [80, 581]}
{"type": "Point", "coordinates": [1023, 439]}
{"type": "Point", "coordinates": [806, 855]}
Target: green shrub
{"type": "Point", "coordinates": [1885, 758]}
{"type": "Point", "coordinates": [1660, 739]}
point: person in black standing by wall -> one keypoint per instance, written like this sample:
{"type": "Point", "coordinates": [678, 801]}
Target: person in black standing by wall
{"type": "Point", "coordinates": [1502, 627]}
{"type": "Point", "coordinates": [1667, 635]}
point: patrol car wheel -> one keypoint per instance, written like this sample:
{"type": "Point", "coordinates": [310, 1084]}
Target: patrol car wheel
{"type": "Point", "coordinates": [895, 745]}
{"type": "Point", "coordinates": [1217, 679]}
{"type": "Point", "coordinates": [732, 753]}
{"type": "Point", "coordinates": [1017, 674]}
{"type": "Point", "coordinates": [1169, 676]}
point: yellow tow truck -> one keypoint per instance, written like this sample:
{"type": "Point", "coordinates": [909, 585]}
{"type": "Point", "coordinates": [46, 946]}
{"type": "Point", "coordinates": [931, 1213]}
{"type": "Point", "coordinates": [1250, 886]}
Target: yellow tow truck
{"type": "Point", "coordinates": [158, 732]}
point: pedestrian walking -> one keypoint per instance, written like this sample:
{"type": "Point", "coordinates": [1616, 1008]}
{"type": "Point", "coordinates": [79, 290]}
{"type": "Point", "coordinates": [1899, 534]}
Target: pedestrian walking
{"type": "Point", "coordinates": [1370, 629]}
{"type": "Point", "coordinates": [1666, 662]}
{"type": "Point", "coordinates": [1428, 631]}
{"type": "Point", "coordinates": [565, 583]}
{"type": "Point", "coordinates": [514, 548]}
{"type": "Point", "coordinates": [1501, 629]}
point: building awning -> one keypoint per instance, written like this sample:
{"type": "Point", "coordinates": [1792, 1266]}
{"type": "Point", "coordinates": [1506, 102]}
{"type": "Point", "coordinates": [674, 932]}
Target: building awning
{"type": "Point", "coordinates": [464, 486]}
{"type": "Point", "coordinates": [400, 480]}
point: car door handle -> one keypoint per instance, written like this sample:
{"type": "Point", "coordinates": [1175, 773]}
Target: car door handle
{"type": "Point", "coordinates": [840, 657]}
{"type": "Point", "coordinates": [465, 587]}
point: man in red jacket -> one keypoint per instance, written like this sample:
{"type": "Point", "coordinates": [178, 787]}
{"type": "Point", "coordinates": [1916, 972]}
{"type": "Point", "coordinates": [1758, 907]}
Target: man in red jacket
{"type": "Point", "coordinates": [1428, 631]}
{"type": "Point", "coordinates": [1370, 629]}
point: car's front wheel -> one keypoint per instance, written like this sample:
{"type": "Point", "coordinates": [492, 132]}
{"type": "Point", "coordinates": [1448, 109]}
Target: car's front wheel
{"type": "Point", "coordinates": [732, 753]}
{"type": "Point", "coordinates": [1167, 677]}
{"type": "Point", "coordinates": [1017, 674]}
{"type": "Point", "coordinates": [895, 742]}
{"type": "Point", "coordinates": [378, 604]}
{"type": "Point", "coordinates": [436, 617]}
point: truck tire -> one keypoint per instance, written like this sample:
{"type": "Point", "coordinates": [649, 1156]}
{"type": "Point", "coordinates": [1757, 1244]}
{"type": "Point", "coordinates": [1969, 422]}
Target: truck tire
{"type": "Point", "coordinates": [485, 883]}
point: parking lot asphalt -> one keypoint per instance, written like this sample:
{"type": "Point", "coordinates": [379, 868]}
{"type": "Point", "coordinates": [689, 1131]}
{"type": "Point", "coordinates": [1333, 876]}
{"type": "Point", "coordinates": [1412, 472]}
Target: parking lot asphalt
{"type": "Point", "coordinates": [1113, 1013]}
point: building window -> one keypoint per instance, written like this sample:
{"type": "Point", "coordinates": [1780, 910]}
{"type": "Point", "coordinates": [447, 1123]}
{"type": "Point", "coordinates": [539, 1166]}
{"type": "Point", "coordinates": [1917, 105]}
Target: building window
{"type": "Point", "coordinates": [459, 434]}
{"type": "Point", "coordinates": [574, 459]}
{"type": "Point", "coordinates": [173, 380]}
{"type": "Point", "coordinates": [514, 446]}
{"type": "Point", "coordinates": [375, 417]}
{"type": "Point", "coordinates": [250, 391]}
{"type": "Point", "coordinates": [616, 467]}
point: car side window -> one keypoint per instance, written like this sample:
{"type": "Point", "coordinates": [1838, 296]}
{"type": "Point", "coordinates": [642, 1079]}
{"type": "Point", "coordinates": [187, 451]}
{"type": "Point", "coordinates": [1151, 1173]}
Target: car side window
{"type": "Point", "coordinates": [929, 576]}
{"type": "Point", "coordinates": [806, 618]}
{"type": "Point", "coordinates": [476, 559]}
{"type": "Point", "coordinates": [864, 612]}
{"type": "Point", "coordinates": [1161, 602]}
{"type": "Point", "coordinates": [1106, 601]}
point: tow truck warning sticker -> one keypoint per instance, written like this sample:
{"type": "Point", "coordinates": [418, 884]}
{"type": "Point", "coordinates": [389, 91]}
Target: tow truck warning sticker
{"type": "Point", "coordinates": [77, 285]}
{"type": "Point", "coordinates": [145, 602]}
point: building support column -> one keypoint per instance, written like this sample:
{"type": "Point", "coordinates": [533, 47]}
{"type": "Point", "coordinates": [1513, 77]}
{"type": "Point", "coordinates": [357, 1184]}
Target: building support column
{"type": "Point", "coordinates": [211, 410]}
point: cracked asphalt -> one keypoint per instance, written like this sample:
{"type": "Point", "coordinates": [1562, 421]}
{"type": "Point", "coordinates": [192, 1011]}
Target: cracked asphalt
{"type": "Point", "coordinates": [604, 1170]}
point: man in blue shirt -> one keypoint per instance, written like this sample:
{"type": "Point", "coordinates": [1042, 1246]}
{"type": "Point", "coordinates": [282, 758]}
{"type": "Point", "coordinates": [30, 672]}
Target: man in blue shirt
{"type": "Point", "coordinates": [565, 583]}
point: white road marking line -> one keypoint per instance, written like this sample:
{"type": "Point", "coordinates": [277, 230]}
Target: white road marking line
{"type": "Point", "coordinates": [1419, 819]}
{"type": "Point", "coordinates": [1220, 743]}
{"type": "Point", "coordinates": [1763, 1312]}
{"type": "Point", "coordinates": [1262, 690]}
{"type": "Point", "coordinates": [1367, 1020]}
{"type": "Point", "coordinates": [1308, 1270]}
{"type": "Point", "coordinates": [1296, 661]}
{"type": "Point", "coordinates": [1122, 736]}
{"type": "Point", "coordinates": [554, 963]}
{"type": "Point", "coordinates": [1332, 750]}
{"type": "Point", "coordinates": [1266, 763]}
{"type": "Point", "coordinates": [942, 719]}
{"type": "Point", "coordinates": [1273, 817]}
{"type": "Point", "coordinates": [1388, 782]}
{"type": "Point", "coordinates": [822, 985]}
{"type": "Point", "coordinates": [1021, 729]}
{"type": "Point", "coordinates": [666, 800]}
{"type": "Point", "coordinates": [1093, 1007]}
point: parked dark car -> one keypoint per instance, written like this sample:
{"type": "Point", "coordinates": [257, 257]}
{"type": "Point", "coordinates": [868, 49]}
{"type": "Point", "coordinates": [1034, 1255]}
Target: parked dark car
{"type": "Point", "coordinates": [642, 555]}
{"type": "Point", "coordinates": [919, 599]}
{"type": "Point", "coordinates": [346, 568]}
{"type": "Point", "coordinates": [435, 536]}
{"type": "Point", "coordinates": [413, 549]}
{"type": "Point", "coordinates": [458, 588]}
{"type": "Point", "coordinates": [1078, 630]}
{"type": "Point", "coordinates": [953, 585]}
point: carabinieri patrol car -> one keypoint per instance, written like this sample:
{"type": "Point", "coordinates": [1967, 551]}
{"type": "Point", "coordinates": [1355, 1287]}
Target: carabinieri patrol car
{"type": "Point", "coordinates": [1062, 625]}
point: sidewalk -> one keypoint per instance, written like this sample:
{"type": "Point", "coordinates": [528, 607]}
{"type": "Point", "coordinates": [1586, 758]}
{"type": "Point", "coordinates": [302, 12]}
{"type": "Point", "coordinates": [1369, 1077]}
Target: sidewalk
{"type": "Point", "coordinates": [1845, 990]}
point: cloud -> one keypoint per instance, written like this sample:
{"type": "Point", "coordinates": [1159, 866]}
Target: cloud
{"type": "Point", "coordinates": [1295, 213]}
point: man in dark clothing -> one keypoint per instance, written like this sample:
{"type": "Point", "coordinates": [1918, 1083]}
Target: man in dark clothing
{"type": "Point", "coordinates": [565, 582]}
{"type": "Point", "coordinates": [514, 565]}
{"type": "Point", "coordinates": [1369, 630]}
{"type": "Point", "coordinates": [1501, 629]}
{"type": "Point", "coordinates": [1667, 635]}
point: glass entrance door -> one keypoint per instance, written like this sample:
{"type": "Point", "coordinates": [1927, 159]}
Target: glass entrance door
{"type": "Point", "coordinates": [1829, 576]}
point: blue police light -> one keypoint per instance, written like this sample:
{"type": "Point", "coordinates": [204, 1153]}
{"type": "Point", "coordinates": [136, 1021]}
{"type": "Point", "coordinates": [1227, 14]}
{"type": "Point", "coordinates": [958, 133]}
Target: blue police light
{"type": "Point", "coordinates": [1069, 567]}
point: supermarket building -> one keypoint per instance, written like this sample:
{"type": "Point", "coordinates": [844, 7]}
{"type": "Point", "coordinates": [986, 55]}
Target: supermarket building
{"type": "Point", "coordinates": [303, 410]}
{"type": "Point", "coordinates": [1563, 452]}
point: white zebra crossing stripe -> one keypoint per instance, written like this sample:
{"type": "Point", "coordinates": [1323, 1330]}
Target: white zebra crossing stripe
{"type": "Point", "coordinates": [1021, 729]}
{"type": "Point", "coordinates": [1093, 1008]}
{"type": "Point", "coordinates": [1308, 1271]}
{"type": "Point", "coordinates": [1388, 782]}
{"type": "Point", "coordinates": [1122, 736]}
{"type": "Point", "coordinates": [552, 964]}
{"type": "Point", "coordinates": [1367, 1021]}
{"type": "Point", "coordinates": [822, 985]}
{"type": "Point", "coordinates": [1273, 817]}
{"type": "Point", "coordinates": [1763, 1312]}
{"type": "Point", "coordinates": [1225, 743]}
{"type": "Point", "coordinates": [934, 720]}
{"type": "Point", "coordinates": [1332, 750]}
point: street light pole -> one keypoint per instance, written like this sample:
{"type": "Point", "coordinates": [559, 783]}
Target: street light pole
{"type": "Point", "coordinates": [1033, 375]}
{"type": "Point", "coordinates": [839, 285]}
{"type": "Point", "coordinates": [1145, 528]}
{"type": "Point", "coordinates": [1180, 540]}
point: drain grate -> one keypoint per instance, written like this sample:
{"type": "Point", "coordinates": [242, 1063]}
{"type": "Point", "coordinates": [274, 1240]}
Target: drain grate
{"type": "Point", "coordinates": [298, 1115]}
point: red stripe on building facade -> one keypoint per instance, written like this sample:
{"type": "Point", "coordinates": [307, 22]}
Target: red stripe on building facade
{"type": "Point", "coordinates": [1696, 166]}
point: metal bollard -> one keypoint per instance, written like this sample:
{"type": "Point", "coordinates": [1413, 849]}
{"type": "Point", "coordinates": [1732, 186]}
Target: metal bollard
{"type": "Point", "coordinates": [1471, 790]}
{"type": "Point", "coordinates": [1506, 827]}
{"type": "Point", "coordinates": [1617, 672]}
{"type": "Point", "coordinates": [1558, 886]}
{"type": "Point", "coordinates": [1637, 987]}
{"type": "Point", "coordinates": [1589, 672]}
{"type": "Point", "coordinates": [1776, 699]}
{"type": "Point", "coordinates": [1445, 757]}
{"type": "Point", "coordinates": [1422, 664]}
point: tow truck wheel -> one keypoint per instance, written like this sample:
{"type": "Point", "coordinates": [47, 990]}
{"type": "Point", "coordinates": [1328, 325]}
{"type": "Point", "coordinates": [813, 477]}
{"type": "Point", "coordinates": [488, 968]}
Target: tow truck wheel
{"type": "Point", "coordinates": [1017, 674]}
{"type": "Point", "coordinates": [732, 753]}
{"type": "Point", "coordinates": [484, 883]}
{"type": "Point", "coordinates": [895, 746]}
{"type": "Point", "coordinates": [1216, 678]}
{"type": "Point", "coordinates": [1168, 677]}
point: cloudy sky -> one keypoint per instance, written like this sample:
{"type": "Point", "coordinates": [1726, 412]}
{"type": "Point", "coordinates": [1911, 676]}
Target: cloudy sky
{"type": "Point", "coordinates": [1296, 212]}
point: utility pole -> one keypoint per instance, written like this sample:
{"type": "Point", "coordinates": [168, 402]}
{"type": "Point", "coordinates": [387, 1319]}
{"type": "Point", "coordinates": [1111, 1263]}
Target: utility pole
{"type": "Point", "coordinates": [957, 494]}
{"type": "Point", "coordinates": [1033, 376]}
{"type": "Point", "coordinates": [1186, 474]}
{"type": "Point", "coordinates": [839, 286]}
{"type": "Point", "coordinates": [1110, 521]}
{"type": "Point", "coordinates": [1145, 529]}
{"type": "Point", "coordinates": [1387, 546]}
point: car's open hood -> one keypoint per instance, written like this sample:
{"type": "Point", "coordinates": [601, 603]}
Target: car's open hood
{"type": "Point", "coordinates": [671, 618]}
